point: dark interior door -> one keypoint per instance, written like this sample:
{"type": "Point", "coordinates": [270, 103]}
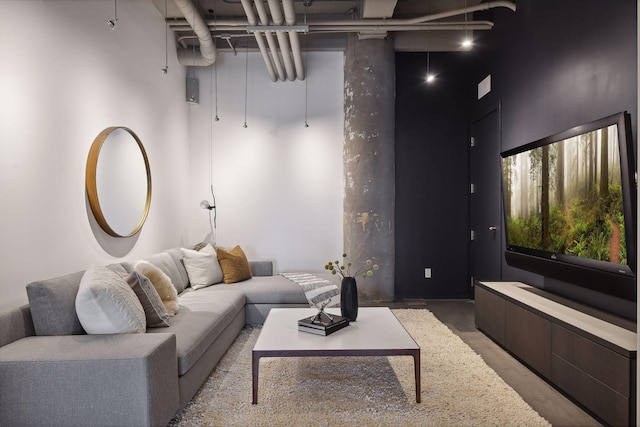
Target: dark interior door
{"type": "Point", "coordinates": [486, 204]}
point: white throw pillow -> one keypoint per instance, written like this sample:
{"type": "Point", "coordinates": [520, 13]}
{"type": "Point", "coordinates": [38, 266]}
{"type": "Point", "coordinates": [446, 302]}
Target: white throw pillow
{"type": "Point", "coordinates": [106, 304]}
{"type": "Point", "coordinates": [202, 267]}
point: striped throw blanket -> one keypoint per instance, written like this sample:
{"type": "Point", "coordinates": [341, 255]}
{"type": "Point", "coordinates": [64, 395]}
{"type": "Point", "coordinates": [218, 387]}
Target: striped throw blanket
{"type": "Point", "coordinates": [316, 289]}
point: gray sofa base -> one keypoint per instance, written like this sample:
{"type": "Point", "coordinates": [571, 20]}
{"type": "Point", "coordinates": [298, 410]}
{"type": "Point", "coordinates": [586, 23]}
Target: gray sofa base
{"type": "Point", "coordinates": [81, 380]}
{"type": "Point", "coordinates": [191, 382]}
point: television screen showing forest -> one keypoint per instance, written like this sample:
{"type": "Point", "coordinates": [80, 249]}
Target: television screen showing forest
{"type": "Point", "coordinates": [566, 197]}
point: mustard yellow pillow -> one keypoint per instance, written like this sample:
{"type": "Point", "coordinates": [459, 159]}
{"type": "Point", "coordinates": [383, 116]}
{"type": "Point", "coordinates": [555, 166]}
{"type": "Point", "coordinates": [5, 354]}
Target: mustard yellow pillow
{"type": "Point", "coordinates": [234, 265]}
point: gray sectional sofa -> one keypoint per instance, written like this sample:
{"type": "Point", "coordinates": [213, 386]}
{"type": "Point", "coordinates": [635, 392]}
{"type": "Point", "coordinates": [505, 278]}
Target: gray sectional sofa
{"type": "Point", "coordinates": [53, 374]}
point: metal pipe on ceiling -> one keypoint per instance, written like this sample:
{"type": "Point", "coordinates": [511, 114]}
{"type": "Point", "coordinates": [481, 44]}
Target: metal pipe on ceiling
{"type": "Point", "coordinates": [421, 19]}
{"type": "Point", "coordinates": [296, 51]}
{"type": "Point", "coordinates": [283, 40]}
{"type": "Point", "coordinates": [313, 27]}
{"type": "Point", "coordinates": [251, 17]}
{"type": "Point", "coordinates": [264, 20]}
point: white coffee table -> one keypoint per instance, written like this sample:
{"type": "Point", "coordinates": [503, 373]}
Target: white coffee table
{"type": "Point", "coordinates": [376, 332]}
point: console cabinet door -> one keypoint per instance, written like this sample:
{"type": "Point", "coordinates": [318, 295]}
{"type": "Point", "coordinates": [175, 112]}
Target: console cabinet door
{"type": "Point", "coordinates": [490, 314]}
{"type": "Point", "coordinates": [593, 375]}
{"type": "Point", "coordinates": [528, 336]}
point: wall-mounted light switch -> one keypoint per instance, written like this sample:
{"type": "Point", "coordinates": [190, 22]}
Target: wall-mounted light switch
{"type": "Point", "coordinates": [427, 273]}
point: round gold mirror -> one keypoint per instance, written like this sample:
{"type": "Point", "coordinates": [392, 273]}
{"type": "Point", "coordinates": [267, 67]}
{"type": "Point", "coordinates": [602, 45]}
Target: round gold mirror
{"type": "Point", "coordinates": [118, 181]}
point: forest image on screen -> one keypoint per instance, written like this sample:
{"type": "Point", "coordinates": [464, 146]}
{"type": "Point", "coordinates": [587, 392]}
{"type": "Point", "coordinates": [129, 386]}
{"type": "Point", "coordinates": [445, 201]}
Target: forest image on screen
{"type": "Point", "coordinates": [566, 197]}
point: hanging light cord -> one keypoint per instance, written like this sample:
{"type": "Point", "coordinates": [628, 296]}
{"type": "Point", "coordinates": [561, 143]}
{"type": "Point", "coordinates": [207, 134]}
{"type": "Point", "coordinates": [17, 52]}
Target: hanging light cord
{"type": "Point", "coordinates": [246, 77]}
{"type": "Point", "coordinates": [215, 64]}
{"type": "Point", "coordinates": [165, 70]}
{"type": "Point", "coordinates": [306, 80]}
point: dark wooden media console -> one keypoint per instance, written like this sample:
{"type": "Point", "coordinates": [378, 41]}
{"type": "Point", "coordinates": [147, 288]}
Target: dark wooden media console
{"type": "Point", "coordinates": [588, 355]}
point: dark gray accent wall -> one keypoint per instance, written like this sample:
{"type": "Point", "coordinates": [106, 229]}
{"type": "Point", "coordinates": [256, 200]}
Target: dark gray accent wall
{"type": "Point", "coordinates": [432, 176]}
{"type": "Point", "coordinates": [555, 65]}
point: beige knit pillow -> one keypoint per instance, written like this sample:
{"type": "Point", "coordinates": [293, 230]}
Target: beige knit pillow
{"type": "Point", "coordinates": [234, 264]}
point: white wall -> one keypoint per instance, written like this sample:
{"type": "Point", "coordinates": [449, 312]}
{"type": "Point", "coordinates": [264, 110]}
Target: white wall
{"type": "Point", "coordinates": [64, 77]}
{"type": "Point", "coordinates": [278, 185]}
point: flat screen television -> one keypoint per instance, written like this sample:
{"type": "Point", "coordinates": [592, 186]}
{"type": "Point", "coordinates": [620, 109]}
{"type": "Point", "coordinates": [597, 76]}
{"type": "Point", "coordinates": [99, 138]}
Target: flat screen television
{"type": "Point", "coordinates": [570, 206]}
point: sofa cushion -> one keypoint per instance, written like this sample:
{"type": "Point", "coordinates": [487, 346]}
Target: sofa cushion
{"type": "Point", "coordinates": [53, 305]}
{"type": "Point", "coordinates": [234, 264]}
{"type": "Point", "coordinates": [106, 304]}
{"type": "Point", "coordinates": [15, 323]}
{"type": "Point", "coordinates": [164, 261]}
{"type": "Point", "coordinates": [154, 310]}
{"type": "Point", "coordinates": [203, 316]}
{"type": "Point", "coordinates": [202, 267]}
{"type": "Point", "coordinates": [265, 290]}
{"type": "Point", "coordinates": [162, 283]}
{"type": "Point", "coordinates": [261, 268]}
{"type": "Point", "coordinates": [176, 255]}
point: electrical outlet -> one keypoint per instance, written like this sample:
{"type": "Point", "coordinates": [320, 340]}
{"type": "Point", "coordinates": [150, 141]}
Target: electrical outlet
{"type": "Point", "coordinates": [427, 273]}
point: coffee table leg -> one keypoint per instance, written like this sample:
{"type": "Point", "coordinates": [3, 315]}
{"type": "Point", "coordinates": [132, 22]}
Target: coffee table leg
{"type": "Point", "coordinates": [416, 368]}
{"type": "Point", "coordinates": [254, 372]}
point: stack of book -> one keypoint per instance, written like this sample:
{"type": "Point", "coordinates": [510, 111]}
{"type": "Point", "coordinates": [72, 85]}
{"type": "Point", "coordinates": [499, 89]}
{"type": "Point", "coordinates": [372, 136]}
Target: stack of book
{"type": "Point", "coordinates": [322, 324]}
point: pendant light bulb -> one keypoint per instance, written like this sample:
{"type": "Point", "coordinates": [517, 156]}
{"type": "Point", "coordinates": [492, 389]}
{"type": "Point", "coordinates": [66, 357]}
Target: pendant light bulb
{"type": "Point", "coordinates": [112, 22]}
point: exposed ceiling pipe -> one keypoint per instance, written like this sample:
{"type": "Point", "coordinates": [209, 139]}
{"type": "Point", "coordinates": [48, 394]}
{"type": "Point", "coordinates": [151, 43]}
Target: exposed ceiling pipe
{"type": "Point", "coordinates": [283, 40]}
{"type": "Point", "coordinates": [207, 55]}
{"type": "Point", "coordinates": [290, 18]}
{"type": "Point", "coordinates": [251, 17]}
{"type": "Point", "coordinates": [348, 26]}
{"type": "Point", "coordinates": [422, 19]}
{"type": "Point", "coordinates": [484, 25]}
{"type": "Point", "coordinates": [264, 20]}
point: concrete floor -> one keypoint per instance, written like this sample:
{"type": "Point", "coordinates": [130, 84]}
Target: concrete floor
{"type": "Point", "coordinates": [459, 316]}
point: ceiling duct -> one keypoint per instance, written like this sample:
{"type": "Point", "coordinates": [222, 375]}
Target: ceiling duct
{"type": "Point", "coordinates": [207, 53]}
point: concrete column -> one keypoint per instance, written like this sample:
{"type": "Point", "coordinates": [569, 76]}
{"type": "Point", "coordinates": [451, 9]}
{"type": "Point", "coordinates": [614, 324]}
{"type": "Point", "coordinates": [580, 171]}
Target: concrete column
{"type": "Point", "coordinates": [369, 181]}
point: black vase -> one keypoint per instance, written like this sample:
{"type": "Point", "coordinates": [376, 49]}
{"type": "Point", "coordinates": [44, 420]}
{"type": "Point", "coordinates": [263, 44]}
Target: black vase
{"type": "Point", "coordinates": [349, 298]}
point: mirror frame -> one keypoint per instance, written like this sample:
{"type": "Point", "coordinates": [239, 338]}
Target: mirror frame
{"type": "Point", "coordinates": [92, 188]}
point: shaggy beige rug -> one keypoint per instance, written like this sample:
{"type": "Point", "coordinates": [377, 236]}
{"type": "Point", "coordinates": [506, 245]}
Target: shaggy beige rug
{"type": "Point", "coordinates": [458, 388]}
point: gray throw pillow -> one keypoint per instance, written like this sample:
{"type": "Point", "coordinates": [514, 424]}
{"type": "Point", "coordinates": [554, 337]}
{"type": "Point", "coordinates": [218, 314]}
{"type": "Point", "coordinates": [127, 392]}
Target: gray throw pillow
{"type": "Point", "coordinates": [154, 310]}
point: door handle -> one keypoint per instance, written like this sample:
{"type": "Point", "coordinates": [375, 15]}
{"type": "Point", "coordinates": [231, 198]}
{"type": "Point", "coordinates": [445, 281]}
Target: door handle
{"type": "Point", "coordinates": [493, 228]}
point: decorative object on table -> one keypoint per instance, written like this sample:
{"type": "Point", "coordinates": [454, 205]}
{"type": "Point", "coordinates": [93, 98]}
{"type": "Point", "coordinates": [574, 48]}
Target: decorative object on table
{"type": "Point", "coordinates": [318, 291]}
{"type": "Point", "coordinates": [322, 323]}
{"type": "Point", "coordinates": [349, 298]}
{"type": "Point", "coordinates": [349, 289]}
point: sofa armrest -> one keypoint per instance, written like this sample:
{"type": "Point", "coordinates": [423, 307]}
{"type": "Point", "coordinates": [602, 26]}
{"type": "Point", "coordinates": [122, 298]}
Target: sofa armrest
{"type": "Point", "coordinates": [261, 268]}
{"type": "Point", "coordinates": [123, 380]}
